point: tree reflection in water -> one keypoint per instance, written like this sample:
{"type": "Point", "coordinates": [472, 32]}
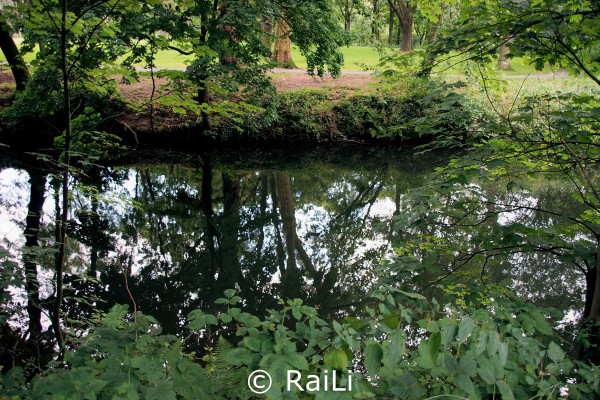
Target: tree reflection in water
{"type": "Point", "coordinates": [315, 227]}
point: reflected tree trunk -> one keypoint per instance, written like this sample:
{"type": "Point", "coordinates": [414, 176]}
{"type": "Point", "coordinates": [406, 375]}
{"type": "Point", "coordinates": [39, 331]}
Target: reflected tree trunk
{"type": "Point", "coordinates": [230, 272]}
{"type": "Point", "coordinates": [275, 219]}
{"type": "Point", "coordinates": [264, 194]}
{"type": "Point", "coordinates": [37, 181]}
{"type": "Point", "coordinates": [288, 217]}
{"type": "Point", "coordinates": [207, 209]}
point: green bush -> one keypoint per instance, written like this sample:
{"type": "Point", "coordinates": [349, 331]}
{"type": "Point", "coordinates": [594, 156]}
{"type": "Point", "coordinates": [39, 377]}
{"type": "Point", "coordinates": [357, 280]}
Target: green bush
{"type": "Point", "coordinates": [484, 345]}
{"type": "Point", "coordinates": [415, 112]}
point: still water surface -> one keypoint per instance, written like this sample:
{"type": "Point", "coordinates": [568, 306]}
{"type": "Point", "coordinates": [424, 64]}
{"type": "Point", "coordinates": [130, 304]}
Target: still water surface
{"type": "Point", "coordinates": [314, 224]}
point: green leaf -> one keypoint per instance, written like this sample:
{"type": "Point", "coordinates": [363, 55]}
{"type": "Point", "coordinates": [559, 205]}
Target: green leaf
{"type": "Point", "coordinates": [395, 348]}
{"type": "Point", "coordinates": [199, 320]}
{"type": "Point", "coordinates": [486, 371]}
{"type": "Point", "coordinates": [502, 354]}
{"type": "Point", "coordinates": [163, 390]}
{"type": "Point", "coordinates": [425, 360]}
{"type": "Point", "coordinates": [226, 318]}
{"type": "Point", "coordinates": [541, 324]}
{"type": "Point", "coordinates": [434, 345]}
{"type": "Point", "coordinates": [468, 365]}
{"type": "Point", "coordinates": [448, 334]}
{"type": "Point", "coordinates": [297, 361]}
{"type": "Point", "coordinates": [465, 328]}
{"type": "Point", "coordinates": [481, 343]}
{"type": "Point", "coordinates": [336, 359]}
{"type": "Point", "coordinates": [465, 384]}
{"type": "Point", "coordinates": [493, 343]}
{"type": "Point", "coordinates": [415, 296]}
{"type": "Point", "coordinates": [258, 343]}
{"type": "Point", "coordinates": [373, 356]}
{"type": "Point", "coordinates": [555, 353]}
{"type": "Point", "coordinates": [450, 364]}
{"type": "Point", "coordinates": [505, 390]}
{"type": "Point", "coordinates": [296, 313]}
{"type": "Point", "coordinates": [238, 356]}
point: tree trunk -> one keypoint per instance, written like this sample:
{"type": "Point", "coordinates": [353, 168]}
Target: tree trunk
{"type": "Point", "coordinates": [282, 53]}
{"type": "Point", "coordinates": [429, 59]}
{"type": "Point", "coordinates": [37, 181]}
{"type": "Point", "coordinates": [391, 23]}
{"type": "Point", "coordinates": [595, 308]}
{"type": "Point", "coordinates": [347, 16]}
{"type": "Point", "coordinates": [503, 60]}
{"type": "Point", "coordinates": [405, 14]}
{"type": "Point", "coordinates": [62, 218]}
{"type": "Point", "coordinates": [266, 26]}
{"type": "Point", "coordinates": [13, 56]}
{"type": "Point", "coordinates": [375, 23]}
{"type": "Point", "coordinates": [590, 284]}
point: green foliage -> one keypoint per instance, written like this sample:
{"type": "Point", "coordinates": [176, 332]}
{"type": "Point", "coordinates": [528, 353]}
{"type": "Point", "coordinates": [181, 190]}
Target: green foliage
{"type": "Point", "coordinates": [89, 145]}
{"type": "Point", "coordinates": [493, 343]}
{"type": "Point", "coordinates": [413, 111]}
{"type": "Point", "coordinates": [559, 33]}
{"type": "Point", "coordinates": [120, 359]}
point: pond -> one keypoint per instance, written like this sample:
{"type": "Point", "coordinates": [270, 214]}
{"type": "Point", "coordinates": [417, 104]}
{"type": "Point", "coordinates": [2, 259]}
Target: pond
{"type": "Point", "coordinates": [315, 224]}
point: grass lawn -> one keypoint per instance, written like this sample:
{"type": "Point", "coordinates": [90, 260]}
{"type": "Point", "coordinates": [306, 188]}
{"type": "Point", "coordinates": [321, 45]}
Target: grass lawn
{"type": "Point", "coordinates": [356, 58]}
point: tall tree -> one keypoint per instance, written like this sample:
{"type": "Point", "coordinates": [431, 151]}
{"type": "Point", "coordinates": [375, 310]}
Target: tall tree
{"type": "Point", "coordinates": [346, 8]}
{"type": "Point", "coordinates": [282, 51]}
{"type": "Point", "coordinates": [405, 10]}
{"type": "Point", "coordinates": [375, 31]}
{"type": "Point", "coordinates": [11, 52]}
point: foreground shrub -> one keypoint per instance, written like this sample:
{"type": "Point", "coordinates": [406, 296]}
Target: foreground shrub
{"type": "Point", "coordinates": [403, 346]}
